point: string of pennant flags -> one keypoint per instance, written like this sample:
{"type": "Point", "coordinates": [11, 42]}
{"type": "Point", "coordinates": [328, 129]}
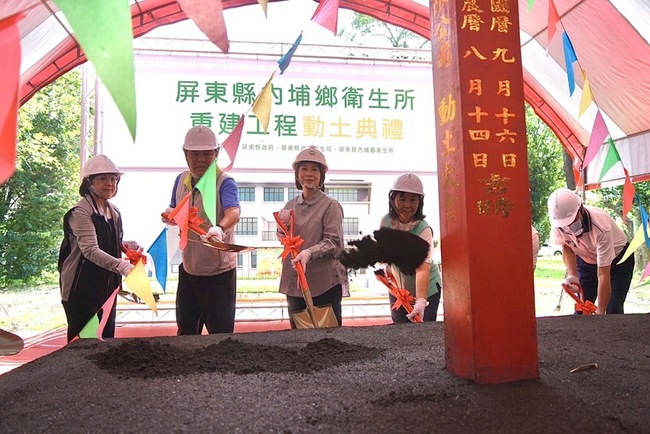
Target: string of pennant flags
{"type": "Point", "coordinates": [326, 15]}
{"type": "Point", "coordinates": [599, 135]}
{"type": "Point", "coordinates": [111, 52]}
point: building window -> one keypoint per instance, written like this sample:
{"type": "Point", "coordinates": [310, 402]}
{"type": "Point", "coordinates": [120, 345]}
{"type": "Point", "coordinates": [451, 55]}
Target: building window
{"type": "Point", "coordinates": [350, 226]}
{"type": "Point", "coordinates": [349, 194]}
{"type": "Point", "coordinates": [240, 260]}
{"type": "Point", "coordinates": [293, 192]}
{"type": "Point", "coordinates": [247, 194]}
{"type": "Point", "coordinates": [273, 194]}
{"type": "Point", "coordinates": [246, 226]}
{"type": "Point", "coordinates": [254, 259]}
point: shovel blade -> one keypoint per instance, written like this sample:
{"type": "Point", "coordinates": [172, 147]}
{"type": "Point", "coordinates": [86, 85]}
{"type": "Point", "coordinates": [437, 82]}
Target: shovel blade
{"type": "Point", "coordinates": [10, 343]}
{"type": "Point", "coordinates": [324, 318]}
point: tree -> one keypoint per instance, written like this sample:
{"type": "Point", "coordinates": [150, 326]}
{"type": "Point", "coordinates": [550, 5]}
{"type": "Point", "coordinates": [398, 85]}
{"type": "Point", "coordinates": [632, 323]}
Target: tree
{"type": "Point", "coordinates": [43, 187]}
{"type": "Point", "coordinates": [364, 28]}
{"type": "Point", "coordinates": [545, 169]}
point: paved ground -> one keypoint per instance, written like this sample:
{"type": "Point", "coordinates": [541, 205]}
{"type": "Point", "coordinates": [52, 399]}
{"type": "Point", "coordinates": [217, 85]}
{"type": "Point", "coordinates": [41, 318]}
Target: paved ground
{"type": "Point", "coordinates": [374, 379]}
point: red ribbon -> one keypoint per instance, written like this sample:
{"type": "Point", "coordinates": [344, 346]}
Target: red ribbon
{"type": "Point", "coordinates": [403, 296]}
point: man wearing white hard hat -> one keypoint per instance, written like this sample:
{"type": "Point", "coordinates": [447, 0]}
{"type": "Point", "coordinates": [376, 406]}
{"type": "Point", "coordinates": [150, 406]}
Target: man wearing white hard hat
{"type": "Point", "coordinates": [207, 278]}
{"type": "Point", "coordinates": [592, 246]}
{"type": "Point", "coordinates": [90, 257]}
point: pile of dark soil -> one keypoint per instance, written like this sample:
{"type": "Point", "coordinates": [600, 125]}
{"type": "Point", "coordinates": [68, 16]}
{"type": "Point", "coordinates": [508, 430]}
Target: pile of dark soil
{"type": "Point", "coordinates": [142, 358]}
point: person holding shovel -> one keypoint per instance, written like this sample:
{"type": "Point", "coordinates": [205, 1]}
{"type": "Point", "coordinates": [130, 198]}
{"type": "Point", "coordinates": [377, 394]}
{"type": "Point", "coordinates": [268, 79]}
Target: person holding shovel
{"type": "Point", "coordinates": [90, 257]}
{"type": "Point", "coordinates": [405, 213]}
{"type": "Point", "coordinates": [318, 221]}
{"type": "Point", "coordinates": [592, 247]}
{"type": "Point", "coordinates": [207, 278]}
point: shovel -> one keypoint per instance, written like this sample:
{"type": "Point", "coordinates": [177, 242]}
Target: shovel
{"type": "Point", "coordinates": [314, 316]}
{"type": "Point", "coordinates": [195, 227]}
{"type": "Point", "coordinates": [10, 343]}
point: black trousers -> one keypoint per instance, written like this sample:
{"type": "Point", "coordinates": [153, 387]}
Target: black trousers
{"type": "Point", "coordinates": [621, 277]}
{"type": "Point", "coordinates": [206, 300]}
{"type": "Point", "coordinates": [430, 312]}
{"type": "Point", "coordinates": [332, 296]}
{"type": "Point", "coordinates": [78, 313]}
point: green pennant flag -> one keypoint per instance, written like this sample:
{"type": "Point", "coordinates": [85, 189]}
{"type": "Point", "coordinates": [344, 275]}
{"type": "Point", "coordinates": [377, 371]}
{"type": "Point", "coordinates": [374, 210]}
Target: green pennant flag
{"type": "Point", "coordinates": [90, 329]}
{"type": "Point", "coordinates": [105, 33]}
{"type": "Point", "coordinates": [207, 185]}
{"type": "Point", "coordinates": [611, 159]}
{"type": "Point", "coordinates": [530, 4]}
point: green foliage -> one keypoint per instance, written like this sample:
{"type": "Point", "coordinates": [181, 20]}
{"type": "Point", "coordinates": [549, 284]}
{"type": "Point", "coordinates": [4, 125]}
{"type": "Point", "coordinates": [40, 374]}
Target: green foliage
{"type": "Point", "coordinates": [365, 28]}
{"type": "Point", "coordinates": [44, 185]}
{"type": "Point", "coordinates": [545, 159]}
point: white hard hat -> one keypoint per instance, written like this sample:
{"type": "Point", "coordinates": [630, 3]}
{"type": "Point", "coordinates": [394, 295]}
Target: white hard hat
{"type": "Point", "coordinates": [200, 138]}
{"type": "Point", "coordinates": [563, 206]}
{"type": "Point", "coordinates": [312, 155]}
{"type": "Point", "coordinates": [99, 164]}
{"type": "Point", "coordinates": [408, 183]}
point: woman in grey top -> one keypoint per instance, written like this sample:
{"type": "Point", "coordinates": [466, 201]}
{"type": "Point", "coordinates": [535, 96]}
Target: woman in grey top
{"type": "Point", "coordinates": [90, 263]}
{"type": "Point", "coordinates": [318, 220]}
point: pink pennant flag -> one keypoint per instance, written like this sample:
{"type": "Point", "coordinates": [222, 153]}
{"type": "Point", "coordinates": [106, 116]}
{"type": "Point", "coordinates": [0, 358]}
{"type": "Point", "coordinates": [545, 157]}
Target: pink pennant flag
{"type": "Point", "coordinates": [327, 14]}
{"type": "Point", "coordinates": [106, 310]}
{"type": "Point", "coordinates": [646, 273]}
{"type": "Point", "coordinates": [553, 20]}
{"type": "Point", "coordinates": [208, 16]}
{"type": "Point", "coordinates": [598, 135]}
{"type": "Point", "coordinates": [182, 213]}
{"type": "Point", "coordinates": [628, 194]}
{"type": "Point", "coordinates": [9, 79]}
{"type": "Point", "coordinates": [231, 144]}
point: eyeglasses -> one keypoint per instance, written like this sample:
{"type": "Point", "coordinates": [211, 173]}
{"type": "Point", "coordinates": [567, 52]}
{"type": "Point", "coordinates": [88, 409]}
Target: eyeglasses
{"type": "Point", "coordinates": [114, 179]}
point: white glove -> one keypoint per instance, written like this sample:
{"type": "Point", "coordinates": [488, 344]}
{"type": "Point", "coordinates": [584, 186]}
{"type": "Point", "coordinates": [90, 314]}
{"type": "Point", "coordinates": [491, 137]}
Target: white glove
{"type": "Point", "coordinates": [168, 221]}
{"type": "Point", "coordinates": [418, 309]}
{"type": "Point", "coordinates": [215, 233]}
{"type": "Point", "coordinates": [302, 257]}
{"type": "Point", "coordinates": [572, 282]}
{"type": "Point", "coordinates": [125, 267]}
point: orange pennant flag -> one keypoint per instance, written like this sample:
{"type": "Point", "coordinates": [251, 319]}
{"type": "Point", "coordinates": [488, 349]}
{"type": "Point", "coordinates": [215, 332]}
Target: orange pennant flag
{"type": "Point", "coordinates": [264, 4]}
{"type": "Point", "coordinates": [262, 104]}
{"type": "Point", "coordinates": [9, 82]}
{"type": "Point", "coordinates": [628, 194]}
{"type": "Point", "coordinates": [181, 215]}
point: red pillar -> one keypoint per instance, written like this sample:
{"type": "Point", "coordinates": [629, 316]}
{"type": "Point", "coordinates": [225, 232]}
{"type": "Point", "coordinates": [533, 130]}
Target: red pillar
{"type": "Point", "coordinates": [490, 324]}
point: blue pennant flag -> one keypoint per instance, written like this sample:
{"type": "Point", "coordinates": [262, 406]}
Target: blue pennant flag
{"type": "Point", "coordinates": [644, 220]}
{"type": "Point", "coordinates": [158, 252]}
{"type": "Point", "coordinates": [286, 59]}
{"type": "Point", "coordinates": [569, 58]}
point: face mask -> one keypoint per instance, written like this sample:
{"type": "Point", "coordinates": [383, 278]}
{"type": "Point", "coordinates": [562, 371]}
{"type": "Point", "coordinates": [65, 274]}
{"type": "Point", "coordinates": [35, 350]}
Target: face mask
{"type": "Point", "coordinates": [576, 228]}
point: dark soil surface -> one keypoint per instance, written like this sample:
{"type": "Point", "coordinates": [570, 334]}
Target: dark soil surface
{"type": "Point", "coordinates": [381, 379]}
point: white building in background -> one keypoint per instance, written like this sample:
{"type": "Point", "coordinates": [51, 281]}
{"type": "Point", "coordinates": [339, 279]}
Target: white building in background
{"type": "Point", "coordinates": [370, 114]}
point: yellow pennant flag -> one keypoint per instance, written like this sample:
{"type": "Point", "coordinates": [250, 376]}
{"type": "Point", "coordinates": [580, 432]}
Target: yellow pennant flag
{"type": "Point", "coordinates": [586, 98]}
{"type": "Point", "coordinates": [262, 105]}
{"type": "Point", "coordinates": [264, 4]}
{"type": "Point", "coordinates": [138, 283]}
{"type": "Point", "coordinates": [639, 238]}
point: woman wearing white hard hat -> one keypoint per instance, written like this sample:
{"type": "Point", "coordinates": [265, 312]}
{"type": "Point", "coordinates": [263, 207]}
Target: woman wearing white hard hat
{"type": "Point", "coordinates": [592, 246]}
{"type": "Point", "coordinates": [318, 220]}
{"type": "Point", "coordinates": [90, 263]}
{"type": "Point", "coordinates": [405, 213]}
